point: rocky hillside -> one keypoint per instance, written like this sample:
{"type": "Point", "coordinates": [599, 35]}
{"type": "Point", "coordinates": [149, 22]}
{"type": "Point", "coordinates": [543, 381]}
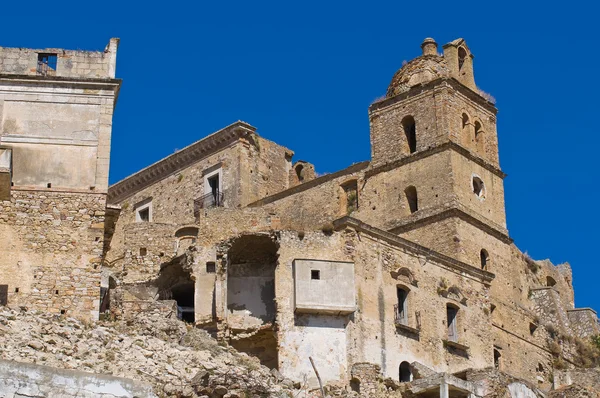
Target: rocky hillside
{"type": "Point", "coordinates": [178, 360]}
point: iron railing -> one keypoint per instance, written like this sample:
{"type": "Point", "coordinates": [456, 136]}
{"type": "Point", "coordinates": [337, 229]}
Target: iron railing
{"type": "Point", "coordinates": [211, 199]}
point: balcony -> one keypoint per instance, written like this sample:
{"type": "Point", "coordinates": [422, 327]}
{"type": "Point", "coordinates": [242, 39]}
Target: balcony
{"type": "Point", "coordinates": [401, 322]}
{"type": "Point", "coordinates": [211, 199]}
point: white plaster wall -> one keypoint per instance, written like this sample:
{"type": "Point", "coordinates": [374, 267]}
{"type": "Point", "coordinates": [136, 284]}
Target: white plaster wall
{"type": "Point", "coordinates": [322, 337]}
{"type": "Point", "coordinates": [245, 296]}
{"type": "Point", "coordinates": [333, 291]}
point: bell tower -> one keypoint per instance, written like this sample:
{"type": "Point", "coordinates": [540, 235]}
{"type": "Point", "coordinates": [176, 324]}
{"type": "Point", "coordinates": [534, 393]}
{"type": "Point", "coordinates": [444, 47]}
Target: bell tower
{"type": "Point", "coordinates": [435, 133]}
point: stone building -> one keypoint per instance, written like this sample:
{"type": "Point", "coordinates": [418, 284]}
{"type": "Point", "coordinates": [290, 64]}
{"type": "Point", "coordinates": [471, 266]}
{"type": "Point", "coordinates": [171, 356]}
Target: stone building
{"type": "Point", "coordinates": [56, 110]}
{"type": "Point", "coordinates": [399, 267]}
{"type": "Point", "coordinates": [399, 260]}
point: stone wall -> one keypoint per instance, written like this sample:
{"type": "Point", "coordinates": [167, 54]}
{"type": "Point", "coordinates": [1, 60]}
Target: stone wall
{"type": "Point", "coordinates": [52, 247]}
{"type": "Point", "coordinates": [69, 63]}
{"type": "Point", "coordinates": [29, 380]}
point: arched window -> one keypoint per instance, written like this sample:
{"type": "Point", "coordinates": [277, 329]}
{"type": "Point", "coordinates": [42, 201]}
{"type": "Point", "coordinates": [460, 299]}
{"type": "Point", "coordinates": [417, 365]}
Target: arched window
{"type": "Point", "coordinates": [411, 198]}
{"type": "Point", "coordinates": [405, 373]}
{"type": "Point", "coordinates": [462, 56]}
{"type": "Point", "coordinates": [550, 281]}
{"type": "Point", "coordinates": [410, 130]}
{"type": "Point", "coordinates": [402, 306]}
{"type": "Point", "coordinates": [478, 129]}
{"type": "Point", "coordinates": [451, 315]}
{"type": "Point", "coordinates": [300, 172]}
{"type": "Point", "coordinates": [465, 120]}
{"type": "Point", "coordinates": [485, 257]}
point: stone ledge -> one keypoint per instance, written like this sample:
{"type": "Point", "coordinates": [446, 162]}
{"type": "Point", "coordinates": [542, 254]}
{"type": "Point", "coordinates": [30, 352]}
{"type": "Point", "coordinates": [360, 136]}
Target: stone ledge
{"type": "Point", "coordinates": [485, 277]}
{"type": "Point", "coordinates": [325, 309]}
{"type": "Point", "coordinates": [456, 346]}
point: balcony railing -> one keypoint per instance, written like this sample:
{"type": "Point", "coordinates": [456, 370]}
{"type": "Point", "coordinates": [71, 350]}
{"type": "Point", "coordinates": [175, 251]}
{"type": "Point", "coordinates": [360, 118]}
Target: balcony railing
{"type": "Point", "coordinates": [211, 199]}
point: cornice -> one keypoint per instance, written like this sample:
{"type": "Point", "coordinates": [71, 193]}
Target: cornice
{"type": "Point", "coordinates": [178, 161]}
{"type": "Point", "coordinates": [458, 211]}
{"type": "Point", "coordinates": [455, 265]}
{"type": "Point", "coordinates": [421, 88]}
{"type": "Point", "coordinates": [449, 145]}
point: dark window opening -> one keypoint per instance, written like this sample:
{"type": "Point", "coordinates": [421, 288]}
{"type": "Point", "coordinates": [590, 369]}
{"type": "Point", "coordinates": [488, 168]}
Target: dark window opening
{"type": "Point", "coordinates": [411, 197]}
{"type": "Point", "coordinates": [49, 185]}
{"type": "Point", "coordinates": [451, 313]}
{"type": "Point", "coordinates": [300, 172]}
{"type": "Point", "coordinates": [184, 294]}
{"type": "Point", "coordinates": [462, 56]}
{"type": "Point", "coordinates": [550, 281]}
{"type": "Point", "coordinates": [532, 328]}
{"type": "Point", "coordinates": [144, 214]}
{"type": "Point", "coordinates": [16, 290]}
{"type": "Point", "coordinates": [63, 312]}
{"type": "Point", "coordinates": [402, 307]}
{"type": "Point", "coordinates": [484, 256]}
{"type": "Point", "coordinates": [211, 267]}
{"type": "Point", "coordinates": [213, 182]}
{"type": "Point", "coordinates": [3, 294]}
{"type": "Point", "coordinates": [405, 373]}
{"type": "Point", "coordinates": [143, 251]}
{"type": "Point", "coordinates": [465, 120]}
{"type": "Point", "coordinates": [315, 274]}
{"type": "Point", "coordinates": [477, 129]}
{"type": "Point", "coordinates": [56, 292]}
{"type": "Point", "coordinates": [410, 130]}
{"type": "Point", "coordinates": [46, 64]}
{"type": "Point", "coordinates": [478, 186]}
{"type": "Point", "coordinates": [497, 357]}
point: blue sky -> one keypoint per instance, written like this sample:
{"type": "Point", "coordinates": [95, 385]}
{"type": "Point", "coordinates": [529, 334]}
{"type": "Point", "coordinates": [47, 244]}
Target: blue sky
{"type": "Point", "coordinates": [304, 73]}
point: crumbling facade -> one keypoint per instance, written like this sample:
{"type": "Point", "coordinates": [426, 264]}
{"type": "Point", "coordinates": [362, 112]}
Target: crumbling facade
{"type": "Point", "coordinates": [400, 260]}
{"type": "Point", "coordinates": [56, 111]}
{"type": "Point", "coordinates": [400, 267]}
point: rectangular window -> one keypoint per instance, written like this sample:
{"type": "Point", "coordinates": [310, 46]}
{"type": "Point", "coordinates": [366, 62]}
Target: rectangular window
{"type": "Point", "coordinates": [451, 313]}
{"type": "Point", "coordinates": [402, 311]}
{"type": "Point", "coordinates": [315, 274]}
{"type": "Point", "coordinates": [46, 64]}
{"type": "Point", "coordinates": [143, 211]}
{"type": "Point", "coordinates": [211, 267]}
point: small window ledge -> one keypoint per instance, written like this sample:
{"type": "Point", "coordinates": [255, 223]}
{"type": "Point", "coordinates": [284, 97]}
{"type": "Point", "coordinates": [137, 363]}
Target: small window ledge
{"type": "Point", "coordinates": [456, 346]}
{"type": "Point", "coordinates": [408, 329]}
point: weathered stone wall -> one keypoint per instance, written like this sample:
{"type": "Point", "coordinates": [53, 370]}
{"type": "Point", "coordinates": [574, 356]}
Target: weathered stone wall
{"type": "Point", "coordinates": [51, 244]}
{"type": "Point", "coordinates": [583, 322]}
{"type": "Point", "coordinates": [59, 130]}
{"type": "Point", "coordinates": [29, 380]}
{"type": "Point", "coordinates": [69, 63]}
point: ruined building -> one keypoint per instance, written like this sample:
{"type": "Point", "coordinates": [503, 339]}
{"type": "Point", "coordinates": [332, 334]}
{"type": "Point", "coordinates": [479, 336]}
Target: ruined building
{"type": "Point", "coordinates": [56, 110]}
{"type": "Point", "coordinates": [393, 267]}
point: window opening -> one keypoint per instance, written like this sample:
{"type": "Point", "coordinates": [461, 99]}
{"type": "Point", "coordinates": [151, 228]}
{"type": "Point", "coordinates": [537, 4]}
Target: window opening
{"type": "Point", "coordinates": [410, 130]}
{"type": "Point", "coordinates": [46, 64]}
{"type": "Point", "coordinates": [550, 281]}
{"type": "Point", "coordinates": [144, 214]}
{"type": "Point", "coordinates": [405, 373]}
{"type": "Point", "coordinates": [451, 313]}
{"type": "Point", "coordinates": [411, 197]}
{"type": "Point", "coordinates": [462, 56]}
{"type": "Point", "coordinates": [484, 258]}
{"type": "Point", "coordinates": [401, 307]}
{"type": "Point", "coordinates": [497, 357]}
{"type": "Point", "coordinates": [211, 267]}
{"type": "Point", "coordinates": [143, 251]}
{"type": "Point", "coordinates": [213, 182]}
{"type": "Point", "coordinates": [315, 274]}
{"type": "Point", "coordinates": [300, 172]}
{"type": "Point", "coordinates": [478, 187]}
